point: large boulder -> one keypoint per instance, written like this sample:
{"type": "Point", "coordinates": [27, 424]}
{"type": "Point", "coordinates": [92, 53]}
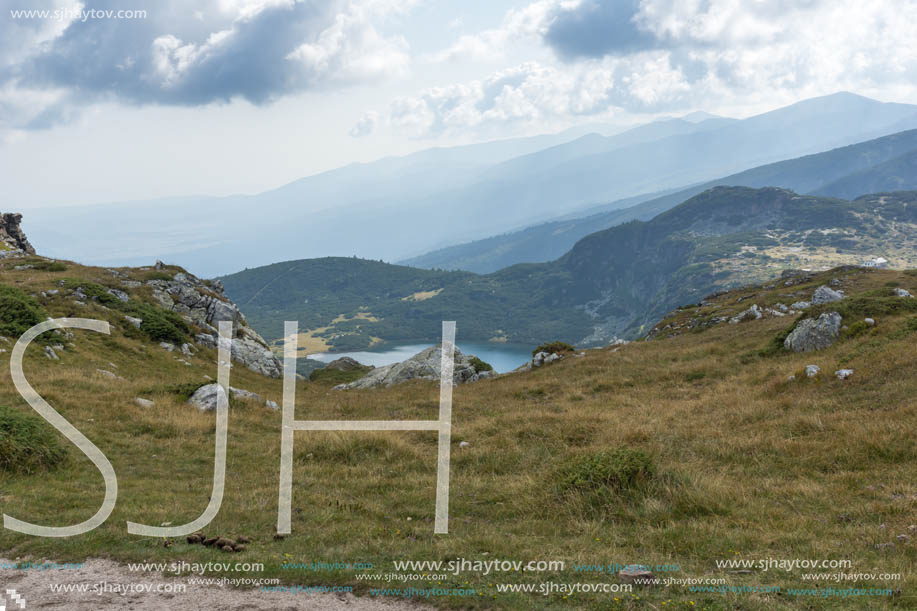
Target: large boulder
{"type": "Point", "coordinates": [422, 366]}
{"type": "Point", "coordinates": [345, 363]}
{"type": "Point", "coordinates": [814, 334]}
{"type": "Point", "coordinates": [205, 398]}
{"type": "Point", "coordinates": [257, 357]}
{"type": "Point", "coordinates": [826, 294]}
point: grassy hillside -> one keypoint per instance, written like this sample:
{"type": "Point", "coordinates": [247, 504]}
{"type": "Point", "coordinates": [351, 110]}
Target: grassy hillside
{"type": "Point", "coordinates": [883, 164]}
{"type": "Point", "coordinates": [612, 283]}
{"type": "Point", "coordinates": [683, 450]}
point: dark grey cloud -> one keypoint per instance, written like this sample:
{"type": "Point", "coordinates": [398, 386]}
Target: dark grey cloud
{"type": "Point", "coordinates": [159, 60]}
{"type": "Point", "coordinates": [597, 28]}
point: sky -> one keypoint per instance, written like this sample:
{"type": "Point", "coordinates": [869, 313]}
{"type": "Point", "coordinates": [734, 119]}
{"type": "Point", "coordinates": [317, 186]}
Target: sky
{"type": "Point", "coordinates": [194, 97]}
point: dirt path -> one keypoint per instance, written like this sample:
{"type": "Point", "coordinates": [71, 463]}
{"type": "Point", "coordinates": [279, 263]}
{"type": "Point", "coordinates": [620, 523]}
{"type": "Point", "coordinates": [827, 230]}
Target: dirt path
{"type": "Point", "coordinates": [34, 586]}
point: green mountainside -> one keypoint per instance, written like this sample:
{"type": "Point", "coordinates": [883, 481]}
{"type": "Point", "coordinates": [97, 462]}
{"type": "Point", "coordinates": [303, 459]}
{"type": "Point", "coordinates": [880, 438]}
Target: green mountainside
{"type": "Point", "coordinates": [613, 283]}
{"type": "Point", "coordinates": [883, 164]}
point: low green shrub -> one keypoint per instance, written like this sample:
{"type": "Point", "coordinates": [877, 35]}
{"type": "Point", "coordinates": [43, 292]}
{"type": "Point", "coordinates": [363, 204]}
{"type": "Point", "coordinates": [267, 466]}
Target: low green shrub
{"type": "Point", "coordinates": [27, 443]}
{"type": "Point", "coordinates": [619, 470]}
{"type": "Point", "coordinates": [551, 347]}
{"type": "Point", "coordinates": [479, 365]}
{"type": "Point", "coordinates": [18, 312]}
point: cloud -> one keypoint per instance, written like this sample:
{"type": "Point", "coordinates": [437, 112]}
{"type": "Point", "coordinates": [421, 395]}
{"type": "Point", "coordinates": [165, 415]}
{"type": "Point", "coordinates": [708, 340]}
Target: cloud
{"type": "Point", "coordinates": [673, 55]}
{"type": "Point", "coordinates": [535, 94]}
{"type": "Point", "coordinates": [596, 28]}
{"type": "Point", "coordinates": [366, 125]}
{"type": "Point", "coordinates": [202, 51]}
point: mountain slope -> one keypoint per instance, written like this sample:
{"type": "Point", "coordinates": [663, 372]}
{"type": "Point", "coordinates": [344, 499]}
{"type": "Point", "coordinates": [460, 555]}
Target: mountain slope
{"type": "Point", "coordinates": [862, 166]}
{"type": "Point", "coordinates": [838, 454]}
{"type": "Point", "coordinates": [898, 174]}
{"type": "Point", "coordinates": [612, 283]}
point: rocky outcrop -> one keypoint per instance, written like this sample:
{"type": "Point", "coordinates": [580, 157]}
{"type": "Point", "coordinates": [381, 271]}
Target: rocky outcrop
{"type": "Point", "coordinates": [422, 366]}
{"type": "Point", "coordinates": [203, 303]}
{"type": "Point", "coordinates": [814, 334]}
{"type": "Point", "coordinates": [825, 294]}
{"type": "Point", "coordinates": [12, 238]}
{"type": "Point", "coordinates": [345, 363]}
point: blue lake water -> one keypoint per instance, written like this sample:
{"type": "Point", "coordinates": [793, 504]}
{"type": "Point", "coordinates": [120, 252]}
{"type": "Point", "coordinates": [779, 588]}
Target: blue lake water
{"type": "Point", "coordinates": [503, 357]}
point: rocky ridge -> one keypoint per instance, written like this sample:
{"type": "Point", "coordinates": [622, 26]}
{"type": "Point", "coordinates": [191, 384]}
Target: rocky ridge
{"type": "Point", "coordinates": [423, 366]}
{"type": "Point", "coordinates": [203, 303]}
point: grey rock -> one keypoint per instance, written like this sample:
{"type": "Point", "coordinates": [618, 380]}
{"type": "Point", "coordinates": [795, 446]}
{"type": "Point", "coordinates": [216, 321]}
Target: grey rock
{"type": "Point", "coordinates": [752, 313]}
{"type": "Point", "coordinates": [256, 357]}
{"type": "Point", "coordinates": [825, 294]}
{"type": "Point", "coordinates": [870, 322]}
{"type": "Point", "coordinates": [205, 339]}
{"type": "Point", "coordinates": [814, 334]}
{"type": "Point", "coordinates": [903, 293]}
{"type": "Point", "coordinates": [551, 358]}
{"type": "Point", "coordinates": [136, 322]}
{"type": "Point", "coordinates": [464, 444]}
{"type": "Point", "coordinates": [205, 398]}
{"type": "Point", "coordinates": [843, 374]}
{"type": "Point", "coordinates": [782, 307]}
{"type": "Point", "coordinates": [131, 284]}
{"type": "Point", "coordinates": [345, 363]}
{"type": "Point", "coordinates": [238, 393]}
{"type": "Point", "coordinates": [119, 295]}
{"type": "Point", "coordinates": [801, 305]}
{"type": "Point", "coordinates": [812, 371]}
{"type": "Point", "coordinates": [167, 346]}
{"type": "Point", "coordinates": [187, 349]}
{"type": "Point", "coordinates": [423, 366]}
{"type": "Point", "coordinates": [49, 352]}
{"type": "Point", "coordinates": [144, 402]}
{"type": "Point", "coordinates": [271, 404]}
{"type": "Point", "coordinates": [108, 374]}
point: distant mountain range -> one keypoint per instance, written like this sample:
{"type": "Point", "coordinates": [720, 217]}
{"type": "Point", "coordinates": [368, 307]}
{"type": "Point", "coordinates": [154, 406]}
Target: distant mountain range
{"type": "Point", "coordinates": [884, 164]}
{"type": "Point", "coordinates": [613, 283]}
{"type": "Point", "coordinates": [401, 207]}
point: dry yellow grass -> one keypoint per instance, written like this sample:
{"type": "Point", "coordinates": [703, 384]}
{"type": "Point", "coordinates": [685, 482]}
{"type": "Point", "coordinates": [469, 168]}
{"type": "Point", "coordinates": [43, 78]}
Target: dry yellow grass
{"type": "Point", "coordinates": [750, 464]}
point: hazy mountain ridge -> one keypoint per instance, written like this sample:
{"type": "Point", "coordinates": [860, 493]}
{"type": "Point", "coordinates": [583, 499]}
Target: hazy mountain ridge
{"type": "Point", "coordinates": [611, 284]}
{"type": "Point", "coordinates": [883, 164]}
{"type": "Point", "coordinates": [356, 210]}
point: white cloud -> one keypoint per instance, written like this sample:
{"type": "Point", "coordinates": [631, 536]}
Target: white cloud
{"type": "Point", "coordinates": [366, 125]}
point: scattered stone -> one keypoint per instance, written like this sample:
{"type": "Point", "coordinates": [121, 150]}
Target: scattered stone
{"type": "Point", "coordinates": [49, 352]}
{"type": "Point", "coordinates": [801, 305]}
{"type": "Point", "coordinates": [812, 371]}
{"type": "Point", "coordinates": [464, 444]}
{"type": "Point", "coordinates": [271, 404]}
{"type": "Point", "coordinates": [843, 374]}
{"type": "Point", "coordinates": [870, 322]}
{"type": "Point", "coordinates": [136, 322]}
{"type": "Point", "coordinates": [119, 295]}
{"type": "Point", "coordinates": [752, 313]}
{"type": "Point", "coordinates": [825, 294]}
{"type": "Point", "coordinates": [791, 378]}
{"type": "Point", "coordinates": [814, 334]}
{"type": "Point", "coordinates": [903, 293]}
{"type": "Point", "coordinates": [187, 350]}
{"type": "Point", "coordinates": [167, 346]}
{"type": "Point", "coordinates": [238, 393]}
{"type": "Point", "coordinates": [902, 538]}
{"type": "Point", "coordinates": [638, 575]}
{"type": "Point", "coordinates": [144, 402]}
{"type": "Point", "coordinates": [205, 398]}
{"type": "Point", "coordinates": [107, 374]}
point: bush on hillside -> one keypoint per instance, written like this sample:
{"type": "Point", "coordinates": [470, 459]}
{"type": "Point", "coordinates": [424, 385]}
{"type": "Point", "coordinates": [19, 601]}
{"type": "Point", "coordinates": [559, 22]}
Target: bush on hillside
{"type": "Point", "coordinates": [479, 365]}
{"type": "Point", "coordinates": [619, 470]}
{"type": "Point", "coordinates": [27, 443]}
{"type": "Point", "coordinates": [18, 312]}
{"type": "Point", "coordinates": [554, 347]}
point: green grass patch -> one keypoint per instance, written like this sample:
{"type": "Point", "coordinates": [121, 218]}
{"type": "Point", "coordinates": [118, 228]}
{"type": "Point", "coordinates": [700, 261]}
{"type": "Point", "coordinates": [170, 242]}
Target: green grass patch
{"type": "Point", "coordinates": [27, 443]}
